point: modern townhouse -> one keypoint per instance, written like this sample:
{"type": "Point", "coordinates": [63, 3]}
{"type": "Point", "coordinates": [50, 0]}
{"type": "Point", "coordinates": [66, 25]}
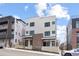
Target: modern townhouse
{"type": "Point", "coordinates": [11, 30]}
{"type": "Point", "coordinates": [41, 34]}
{"type": "Point", "coordinates": [73, 33]}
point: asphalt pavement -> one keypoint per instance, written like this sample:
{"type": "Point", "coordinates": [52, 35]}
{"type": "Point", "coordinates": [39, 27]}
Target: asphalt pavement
{"type": "Point", "coordinates": [18, 52]}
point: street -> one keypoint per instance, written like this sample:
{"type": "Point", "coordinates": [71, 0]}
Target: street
{"type": "Point", "coordinates": [18, 52]}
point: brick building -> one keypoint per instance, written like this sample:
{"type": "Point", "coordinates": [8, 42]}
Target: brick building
{"type": "Point", "coordinates": [73, 32]}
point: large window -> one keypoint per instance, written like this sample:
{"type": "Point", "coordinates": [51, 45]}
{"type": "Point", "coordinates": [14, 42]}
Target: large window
{"type": "Point", "coordinates": [26, 32]}
{"type": "Point", "coordinates": [32, 24]}
{"type": "Point", "coordinates": [53, 22]}
{"type": "Point", "coordinates": [47, 24]}
{"type": "Point", "coordinates": [26, 42]}
{"type": "Point", "coordinates": [30, 42]}
{"type": "Point", "coordinates": [47, 33]}
{"type": "Point", "coordinates": [77, 24]}
{"type": "Point", "coordinates": [77, 42]}
{"type": "Point", "coordinates": [46, 43]}
{"type": "Point", "coordinates": [31, 32]}
{"type": "Point", "coordinates": [53, 43]}
{"type": "Point", "coordinates": [53, 32]}
{"type": "Point", "coordinates": [77, 34]}
{"type": "Point", "coordinates": [77, 39]}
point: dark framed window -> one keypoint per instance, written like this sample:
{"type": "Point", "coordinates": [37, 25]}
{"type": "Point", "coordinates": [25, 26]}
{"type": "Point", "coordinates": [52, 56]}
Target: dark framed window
{"type": "Point", "coordinates": [53, 22]}
{"type": "Point", "coordinates": [26, 42]}
{"type": "Point", "coordinates": [77, 34]}
{"type": "Point", "coordinates": [47, 33]}
{"type": "Point", "coordinates": [53, 32]}
{"type": "Point", "coordinates": [31, 32]}
{"type": "Point", "coordinates": [77, 24]}
{"type": "Point", "coordinates": [32, 24]}
{"type": "Point", "coordinates": [47, 24]}
{"type": "Point", "coordinates": [46, 43]}
{"type": "Point", "coordinates": [78, 41]}
{"type": "Point", "coordinates": [30, 42]}
{"type": "Point", "coordinates": [53, 43]}
{"type": "Point", "coordinates": [26, 32]}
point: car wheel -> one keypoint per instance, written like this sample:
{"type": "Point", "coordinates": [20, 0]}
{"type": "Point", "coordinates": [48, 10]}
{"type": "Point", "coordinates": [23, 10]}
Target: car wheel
{"type": "Point", "coordinates": [67, 54]}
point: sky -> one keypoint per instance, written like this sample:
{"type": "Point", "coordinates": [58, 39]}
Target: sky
{"type": "Point", "coordinates": [63, 12]}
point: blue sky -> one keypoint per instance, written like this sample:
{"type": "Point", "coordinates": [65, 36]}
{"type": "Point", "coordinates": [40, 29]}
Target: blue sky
{"type": "Point", "coordinates": [18, 9]}
{"type": "Point", "coordinates": [63, 12]}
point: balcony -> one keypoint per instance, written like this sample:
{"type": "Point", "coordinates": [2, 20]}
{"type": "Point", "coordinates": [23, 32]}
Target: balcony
{"type": "Point", "coordinates": [4, 36]}
{"type": "Point", "coordinates": [3, 22]}
{"type": "Point", "coordinates": [4, 26]}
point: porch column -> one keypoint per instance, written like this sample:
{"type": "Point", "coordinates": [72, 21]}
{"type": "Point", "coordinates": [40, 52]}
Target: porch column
{"type": "Point", "coordinates": [55, 42]}
{"type": "Point", "coordinates": [28, 43]}
{"type": "Point", "coordinates": [50, 43]}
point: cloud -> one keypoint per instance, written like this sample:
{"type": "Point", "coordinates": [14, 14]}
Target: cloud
{"type": "Point", "coordinates": [40, 7]}
{"type": "Point", "coordinates": [61, 33]}
{"type": "Point", "coordinates": [26, 7]}
{"type": "Point", "coordinates": [57, 10]}
{"type": "Point", "coordinates": [16, 17]}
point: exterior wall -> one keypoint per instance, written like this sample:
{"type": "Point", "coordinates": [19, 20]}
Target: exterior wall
{"type": "Point", "coordinates": [29, 46]}
{"type": "Point", "coordinates": [17, 25]}
{"type": "Point", "coordinates": [39, 27]}
{"type": "Point", "coordinates": [51, 49]}
{"type": "Point", "coordinates": [19, 31]}
{"type": "Point", "coordinates": [6, 37]}
{"type": "Point", "coordinates": [39, 24]}
{"type": "Point", "coordinates": [74, 38]}
{"type": "Point", "coordinates": [71, 34]}
{"type": "Point", "coordinates": [37, 42]}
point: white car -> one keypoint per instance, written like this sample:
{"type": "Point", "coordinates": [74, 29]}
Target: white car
{"type": "Point", "coordinates": [74, 52]}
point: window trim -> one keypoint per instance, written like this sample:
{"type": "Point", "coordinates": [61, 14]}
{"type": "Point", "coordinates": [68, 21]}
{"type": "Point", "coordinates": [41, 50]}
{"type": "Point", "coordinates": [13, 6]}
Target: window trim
{"type": "Point", "coordinates": [45, 33]}
{"type": "Point", "coordinates": [53, 42]}
{"type": "Point", "coordinates": [32, 24]}
{"type": "Point", "coordinates": [47, 43]}
{"type": "Point", "coordinates": [53, 22]}
{"type": "Point", "coordinates": [32, 31]}
{"type": "Point", "coordinates": [53, 32]}
{"type": "Point", "coordinates": [26, 32]}
{"type": "Point", "coordinates": [47, 24]}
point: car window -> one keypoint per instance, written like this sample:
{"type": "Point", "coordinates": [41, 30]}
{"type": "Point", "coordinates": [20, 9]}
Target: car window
{"type": "Point", "coordinates": [77, 50]}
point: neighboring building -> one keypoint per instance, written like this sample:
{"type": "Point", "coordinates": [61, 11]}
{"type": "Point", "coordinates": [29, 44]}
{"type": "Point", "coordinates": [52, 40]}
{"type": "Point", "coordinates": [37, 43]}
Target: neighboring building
{"type": "Point", "coordinates": [73, 33]}
{"type": "Point", "coordinates": [41, 34]}
{"type": "Point", "coordinates": [11, 30]}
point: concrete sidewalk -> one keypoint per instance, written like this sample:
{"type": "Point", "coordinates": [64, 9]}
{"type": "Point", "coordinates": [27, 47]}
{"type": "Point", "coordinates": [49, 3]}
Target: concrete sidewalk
{"type": "Point", "coordinates": [38, 52]}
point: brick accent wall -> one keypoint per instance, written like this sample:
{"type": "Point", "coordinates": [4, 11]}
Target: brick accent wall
{"type": "Point", "coordinates": [74, 38]}
{"type": "Point", "coordinates": [37, 42]}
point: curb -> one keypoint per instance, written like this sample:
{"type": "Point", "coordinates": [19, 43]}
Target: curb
{"type": "Point", "coordinates": [38, 52]}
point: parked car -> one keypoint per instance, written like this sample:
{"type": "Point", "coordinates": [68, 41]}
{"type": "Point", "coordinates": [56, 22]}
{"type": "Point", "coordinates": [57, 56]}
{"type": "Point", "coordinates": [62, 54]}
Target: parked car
{"type": "Point", "coordinates": [73, 52]}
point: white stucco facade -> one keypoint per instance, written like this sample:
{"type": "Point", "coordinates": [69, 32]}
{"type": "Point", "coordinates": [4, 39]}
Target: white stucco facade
{"type": "Point", "coordinates": [39, 25]}
{"type": "Point", "coordinates": [19, 30]}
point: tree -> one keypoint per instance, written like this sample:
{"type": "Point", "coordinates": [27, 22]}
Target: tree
{"type": "Point", "coordinates": [69, 46]}
{"type": "Point", "coordinates": [61, 47]}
